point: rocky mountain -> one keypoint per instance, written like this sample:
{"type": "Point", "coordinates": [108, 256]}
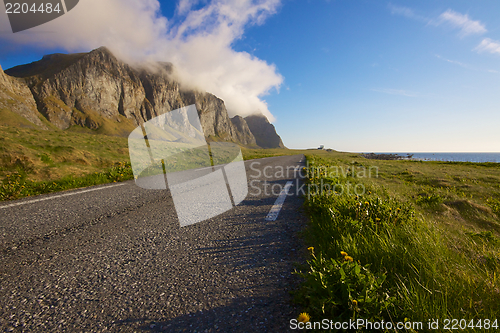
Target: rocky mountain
{"type": "Point", "coordinates": [264, 132]}
{"type": "Point", "coordinates": [97, 91]}
{"type": "Point", "coordinates": [17, 105]}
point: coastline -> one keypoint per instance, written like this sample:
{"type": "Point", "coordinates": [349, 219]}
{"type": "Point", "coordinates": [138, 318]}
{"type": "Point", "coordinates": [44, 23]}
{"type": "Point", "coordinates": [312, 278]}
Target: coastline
{"type": "Point", "coordinates": [442, 157]}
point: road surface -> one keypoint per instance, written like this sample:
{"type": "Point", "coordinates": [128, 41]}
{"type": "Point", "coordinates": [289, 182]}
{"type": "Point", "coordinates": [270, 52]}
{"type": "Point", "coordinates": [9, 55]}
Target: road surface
{"type": "Point", "coordinates": [113, 258]}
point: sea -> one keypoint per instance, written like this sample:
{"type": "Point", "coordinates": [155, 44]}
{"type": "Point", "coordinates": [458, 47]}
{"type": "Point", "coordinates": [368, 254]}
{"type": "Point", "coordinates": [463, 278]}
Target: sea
{"type": "Point", "coordinates": [455, 157]}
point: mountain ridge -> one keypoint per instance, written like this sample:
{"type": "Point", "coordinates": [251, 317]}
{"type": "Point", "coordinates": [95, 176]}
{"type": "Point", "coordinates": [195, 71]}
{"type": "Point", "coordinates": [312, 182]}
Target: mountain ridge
{"type": "Point", "coordinates": [99, 92]}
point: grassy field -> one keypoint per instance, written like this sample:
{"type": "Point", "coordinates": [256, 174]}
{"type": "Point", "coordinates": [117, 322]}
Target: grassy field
{"type": "Point", "coordinates": [402, 241]}
{"type": "Point", "coordinates": [36, 161]}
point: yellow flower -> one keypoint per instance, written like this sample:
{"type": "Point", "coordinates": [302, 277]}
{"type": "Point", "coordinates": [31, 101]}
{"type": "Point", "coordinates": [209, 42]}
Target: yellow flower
{"type": "Point", "coordinates": [354, 302]}
{"type": "Point", "coordinates": [311, 249]}
{"type": "Point", "coordinates": [367, 203]}
{"type": "Point", "coordinates": [304, 317]}
{"type": "Point", "coordinates": [343, 253]}
{"type": "Point", "coordinates": [377, 219]}
{"type": "Point", "coordinates": [348, 258]}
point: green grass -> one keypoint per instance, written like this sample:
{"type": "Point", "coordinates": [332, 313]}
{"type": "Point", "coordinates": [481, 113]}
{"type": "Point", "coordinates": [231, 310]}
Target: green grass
{"type": "Point", "coordinates": [16, 185]}
{"type": "Point", "coordinates": [425, 234]}
{"type": "Point", "coordinates": [34, 161]}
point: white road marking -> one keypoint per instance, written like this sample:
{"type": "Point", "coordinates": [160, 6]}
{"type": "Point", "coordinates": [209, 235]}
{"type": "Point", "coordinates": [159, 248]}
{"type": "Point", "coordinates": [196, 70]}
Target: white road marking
{"type": "Point", "coordinates": [275, 210]}
{"type": "Point", "coordinates": [59, 196]}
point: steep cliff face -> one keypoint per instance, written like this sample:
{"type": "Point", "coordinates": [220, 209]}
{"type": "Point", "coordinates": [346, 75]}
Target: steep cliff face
{"type": "Point", "coordinates": [243, 131]}
{"type": "Point", "coordinates": [91, 90]}
{"type": "Point", "coordinates": [97, 91]}
{"type": "Point", "coordinates": [16, 100]}
{"type": "Point", "coordinates": [264, 132]}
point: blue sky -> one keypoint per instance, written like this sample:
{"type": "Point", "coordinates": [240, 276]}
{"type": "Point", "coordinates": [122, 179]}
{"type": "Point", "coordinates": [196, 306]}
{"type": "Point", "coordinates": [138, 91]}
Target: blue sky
{"type": "Point", "coordinates": [399, 76]}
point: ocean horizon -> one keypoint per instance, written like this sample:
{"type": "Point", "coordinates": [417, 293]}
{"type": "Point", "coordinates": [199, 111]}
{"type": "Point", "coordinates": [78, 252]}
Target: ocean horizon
{"type": "Point", "coordinates": [453, 157]}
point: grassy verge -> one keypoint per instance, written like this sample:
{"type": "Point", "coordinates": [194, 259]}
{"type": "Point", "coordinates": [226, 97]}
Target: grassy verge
{"type": "Point", "coordinates": [402, 241]}
{"type": "Point", "coordinates": [17, 185]}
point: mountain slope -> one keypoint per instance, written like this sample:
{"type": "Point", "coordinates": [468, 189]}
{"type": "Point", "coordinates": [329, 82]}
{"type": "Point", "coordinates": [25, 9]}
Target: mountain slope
{"type": "Point", "coordinates": [17, 106]}
{"type": "Point", "coordinates": [98, 92]}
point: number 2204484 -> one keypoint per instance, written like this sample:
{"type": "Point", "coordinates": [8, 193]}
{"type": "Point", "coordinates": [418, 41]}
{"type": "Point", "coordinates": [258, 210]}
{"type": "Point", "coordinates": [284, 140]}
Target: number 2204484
{"type": "Point", "coordinates": [24, 8]}
{"type": "Point", "coordinates": [462, 324]}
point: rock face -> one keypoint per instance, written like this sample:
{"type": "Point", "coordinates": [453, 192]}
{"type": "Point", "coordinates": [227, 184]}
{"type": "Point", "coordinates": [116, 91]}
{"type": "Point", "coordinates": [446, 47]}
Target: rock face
{"type": "Point", "coordinates": [243, 132]}
{"type": "Point", "coordinates": [97, 91]}
{"type": "Point", "coordinates": [264, 132]}
{"type": "Point", "coordinates": [16, 100]}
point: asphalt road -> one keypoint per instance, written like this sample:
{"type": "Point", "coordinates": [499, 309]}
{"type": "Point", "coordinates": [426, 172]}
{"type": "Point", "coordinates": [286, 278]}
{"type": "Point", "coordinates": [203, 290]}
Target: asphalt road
{"type": "Point", "coordinates": [114, 258]}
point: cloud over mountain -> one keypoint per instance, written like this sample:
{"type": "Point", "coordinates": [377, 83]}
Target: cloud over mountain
{"type": "Point", "coordinates": [197, 40]}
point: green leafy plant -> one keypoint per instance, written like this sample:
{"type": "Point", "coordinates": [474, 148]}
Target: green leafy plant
{"type": "Point", "coordinates": [494, 204]}
{"type": "Point", "coordinates": [429, 199]}
{"type": "Point", "coordinates": [342, 289]}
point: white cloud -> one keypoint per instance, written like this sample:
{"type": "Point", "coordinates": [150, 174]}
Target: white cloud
{"type": "Point", "coordinates": [488, 45]}
{"type": "Point", "coordinates": [461, 64]}
{"type": "Point", "coordinates": [450, 17]}
{"type": "Point", "coordinates": [199, 45]}
{"type": "Point", "coordinates": [467, 66]}
{"type": "Point", "coordinates": [406, 12]}
{"type": "Point", "coordinates": [399, 92]}
{"type": "Point", "coordinates": [462, 22]}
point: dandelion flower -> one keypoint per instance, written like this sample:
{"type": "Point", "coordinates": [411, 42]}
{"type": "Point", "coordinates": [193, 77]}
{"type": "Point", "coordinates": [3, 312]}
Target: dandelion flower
{"type": "Point", "coordinates": [343, 253]}
{"type": "Point", "coordinates": [354, 302]}
{"type": "Point", "coordinates": [310, 248]}
{"type": "Point", "coordinates": [367, 203]}
{"type": "Point", "coordinates": [377, 219]}
{"type": "Point", "coordinates": [348, 258]}
{"type": "Point", "coordinates": [304, 317]}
